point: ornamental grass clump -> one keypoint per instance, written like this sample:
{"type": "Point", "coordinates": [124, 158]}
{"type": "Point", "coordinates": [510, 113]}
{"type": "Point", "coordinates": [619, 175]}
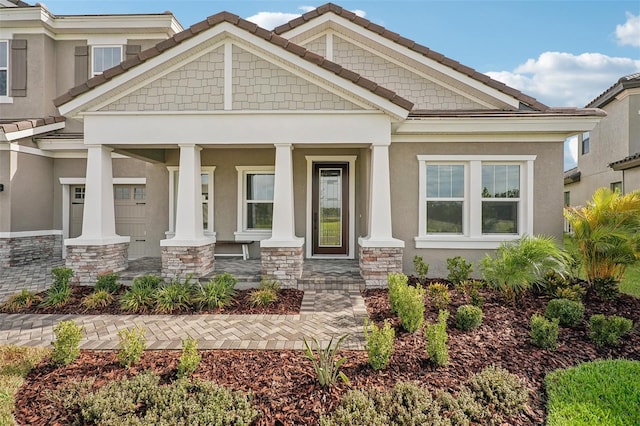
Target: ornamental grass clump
{"type": "Point", "coordinates": [436, 340]}
{"type": "Point", "coordinates": [174, 297]}
{"type": "Point", "coordinates": [132, 344]}
{"type": "Point", "coordinates": [544, 332]}
{"type": "Point", "coordinates": [60, 292]}
{"type": "Point", "coordinates": [438, 295]}
{"type": "Point", "coordinates": [397, 282]}
{"type": "Point", "coordinates": [97, 299]}
{"type": "Point", "coordinates": [326, 362]}
{"type": "Point", "coordinates": [468, 317]}
{"type": "Point", "coordinates": [217, 293]}
{"type": "Point", "coordinates": [66, 346]}
{"type": "Point", "coordinates": [141, 296]}
{"type": "Point", "coordinates": [459, 269]}
{"type": "Point", "coordinates": [519, 265]}
{"type": "Point", "coordinates": [607, 331]}
{"type": "Point", "coordinates": [24, 299]}
{"type": "Point", "coordinates": [189, 359]}
{"type": "Point", "coordinates": [379, 345]}
{"type": "Point", "coordinates": [265, 294]}
{"type": "Point", "coordinates": [410, 307]}
{"type": "Point", "coordinates": [568, 312]}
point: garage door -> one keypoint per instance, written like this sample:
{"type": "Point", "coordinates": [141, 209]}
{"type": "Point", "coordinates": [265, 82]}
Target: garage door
{"type": "Point", "coordinates": [130, 210]}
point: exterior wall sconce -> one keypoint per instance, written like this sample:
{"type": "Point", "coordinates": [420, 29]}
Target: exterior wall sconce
{"type": "Point", "coordinates": [1, 187]}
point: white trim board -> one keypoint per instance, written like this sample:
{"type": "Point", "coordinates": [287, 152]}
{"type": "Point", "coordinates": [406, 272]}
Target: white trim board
{"type": "Point", "coordinates": [25, 234]}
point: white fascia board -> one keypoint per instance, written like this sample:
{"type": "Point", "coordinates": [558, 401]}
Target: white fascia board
{"type": "Point", "coordinates": [331, 17]}
{"type": "Point", "coordinates": [12, 136]}
{"type": "Point", "coordinates": [479, 137]}
{"type": "Point", "coordinates": [116, 181]}
{"type": "Point", "coordinates": [455, 125]}
{"type": "Point", "coordinates": [238, 128]}
{"type": "Point", "coordinates": [26, 234]}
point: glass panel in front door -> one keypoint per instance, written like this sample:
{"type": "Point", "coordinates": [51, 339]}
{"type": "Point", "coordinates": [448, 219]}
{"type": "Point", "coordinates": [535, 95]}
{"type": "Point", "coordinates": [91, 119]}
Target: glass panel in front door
{"type": "Point", "coordinates": [330, 207]}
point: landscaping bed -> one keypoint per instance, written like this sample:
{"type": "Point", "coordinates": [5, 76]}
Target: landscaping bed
{"type": "Point", "coordinates": [284, 384]}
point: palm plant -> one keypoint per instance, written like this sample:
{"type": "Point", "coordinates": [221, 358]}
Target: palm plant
{"type": "Point", "coordinates": [607, 233]}
{"type": "Point", "coordinates": [519, 265]}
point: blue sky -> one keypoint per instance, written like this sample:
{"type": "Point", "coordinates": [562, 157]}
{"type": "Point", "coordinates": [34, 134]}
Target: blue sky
{"type": "Point", "coordinates": [562, 52]}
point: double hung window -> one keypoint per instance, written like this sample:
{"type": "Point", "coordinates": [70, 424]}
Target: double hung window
{"type": "Point", "coordinates": [105, 57]}
{"type": "Point", "coordinates": [255, 202]}
{"type": "Point", "coordinates": [4, 68]}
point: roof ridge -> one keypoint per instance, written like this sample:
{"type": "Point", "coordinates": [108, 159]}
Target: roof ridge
{"type": "Point", "coordinates": [250, 27]}
{"type": "Point", "coordinates": [624, 82]}
{"type": "Point", "coordinates": [412, 45]}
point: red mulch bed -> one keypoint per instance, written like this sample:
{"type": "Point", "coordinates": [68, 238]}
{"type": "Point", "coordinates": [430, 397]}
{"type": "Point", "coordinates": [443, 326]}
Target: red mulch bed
{"type": "Point", "coordinates": [283, 382]}
{"type": "Point", "coordinates": [288, 303]}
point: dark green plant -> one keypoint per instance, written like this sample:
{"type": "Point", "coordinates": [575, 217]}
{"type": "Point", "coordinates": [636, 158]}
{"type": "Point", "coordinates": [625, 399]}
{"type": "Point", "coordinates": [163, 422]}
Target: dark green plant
{"type": "Point", "coordinates": [519, 265]}
{"type": "Point", "coordinates": [66, 346]}
{"type": "Point", "coordinates": [468, 317]}
{"type": "Point", "coordinates": [561, 287]}
{"type": "Point", "coordinates": [108, 283]}
{"type": "Point", "coordinates": [471, 290]}
{"type": "Point", "coordinates": [459, 269]}
{"type": "Point", "coordinates": [499, 388]}
{"type": "Point", "coordinates": [607, 331]}
{"type": "Point", "coordinates": [326, 362]}
{"type": "Point", "coordinates": [262, 297]}
{"type": "Point", "coordinates": [189, 359]}
{"type": "Point", "coordinates": [174, 297]}
{"type": "Point", "coordinates": [270, 284]}
{"type": "Point", "coordinates": [132, 344]}
{"type": "Point", "coordinates": [436, 340]}
{"type": "Point", "coordinates": [422, 268]}
{"type": "Point", "coordinates": [141, 296]}
{"type": "Point", "coordinates": [24, 299]}
{"type": "Point", "coordinates": [544, 332]}
{"type": "Point", "coordinates": [97, 299]}
{"type": "Point", "coordinates": [397, 282]}
{"type": "Point", "coordinates": [61, 276]}
{"type": "Point", "coordinates": [606, 288]}
{"type": "Point", "coordinates": [568, 312]}
{"type": "Point", "coordinates": [438, 295]}
{"type": "Point", "coordinates": [57, 295]}
{"type": "Point", "coordinates": [217, 293]}
{"type": "Point", "coordinates": [146, 281]}
{"type": "Point", "coordinates": [410, 307]}
{"type": "Point", "coordinates": [379, 345]}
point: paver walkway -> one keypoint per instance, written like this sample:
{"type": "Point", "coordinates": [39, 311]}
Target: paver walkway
{"type": "Point", "coordinates": [324, 314]}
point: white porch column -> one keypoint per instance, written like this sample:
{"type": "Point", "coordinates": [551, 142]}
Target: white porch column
{"type": "Point", "coordinates": [380, 234]}
{"type": "Point", "coordinates": [283, 224]}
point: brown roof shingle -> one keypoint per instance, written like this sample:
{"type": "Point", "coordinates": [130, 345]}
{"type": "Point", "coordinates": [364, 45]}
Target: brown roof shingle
{"type": "Point", "coordinates": [627, 82]}
{"type": "Point", "coordinates": [410, 44]}
{"type": "Point", "coordinates": [31, 123]}
{"type": "Point", "coordinates": [250, 27]}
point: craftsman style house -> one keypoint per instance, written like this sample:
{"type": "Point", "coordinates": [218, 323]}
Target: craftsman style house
{"type": "Point", "coordinates": [609, 155]}
{"type": "Point", "coordinates": [328, 137]}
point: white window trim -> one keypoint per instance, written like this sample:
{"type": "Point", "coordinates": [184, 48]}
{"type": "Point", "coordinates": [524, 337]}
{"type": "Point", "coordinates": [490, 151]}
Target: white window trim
{"type": "Point", "coordinates": [242, 233]}
{"type": "Point", "coordinates": [93, 72]}
{"type": "Point", "coordinates": [6, 99]}
{"type": "Point", "coordinates": [173, 171]}
{"type": "Point", "coordinates": [472, 237]}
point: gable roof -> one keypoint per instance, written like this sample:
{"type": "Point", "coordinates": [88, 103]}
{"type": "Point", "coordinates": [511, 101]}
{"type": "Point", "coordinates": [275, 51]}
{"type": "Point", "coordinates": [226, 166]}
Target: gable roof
{"type": "Point", "coordinates": [627, 82]}
{"type": "Point", "coordinates": [19, 3]}
{"type": "Point", "coordinates": [252, 28]}
{"type": "Point", "coordinates": [528, 101]}
{"type": "Point", "coordinates": [15, 129]}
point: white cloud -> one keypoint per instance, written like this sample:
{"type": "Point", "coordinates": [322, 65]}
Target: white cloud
{"type": "Point", "coordinates": [270, 20]}
{"type": "Point", "coordinates": [571, 152]}
{"type": "Point", "coordinates": [564, 79]}
{"type": "Point", "coordinates": [629, 33]}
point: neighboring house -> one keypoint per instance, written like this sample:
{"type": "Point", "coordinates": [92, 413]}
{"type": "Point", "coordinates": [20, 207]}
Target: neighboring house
{"type": "Point", "coordinates": [609, 155]}
{"type": "Point", "coordinates": [328, 137]}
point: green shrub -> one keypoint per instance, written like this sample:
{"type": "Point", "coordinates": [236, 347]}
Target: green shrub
{"type": "Point", "coordinates": [61, 276]}
{"type": "Point", "coordinates": [569, 312]}
{"type": "Point", "coordinates": [497, 387]}
{"type": "Point", "coordinates": [132, 344]}
{"type": "Point", "coordinates": [146, 281]}
{"type": "Point", "coordinates": [141, 296]}
{"type": "Point", "coordinates": [607, 331]}
{"type": "Point", "coordinates": [463, 409]}
{"type": "Point", "coordinates": [270, 284]}
{"type": "Point", "coordinates": [397, 282]}
{"type": "Point", "coordinates": [410, 307]}
{"type": "Point", "coordinates": [262, 297]}
{"type": "Point", "coordinates": [217, 293]}
{"type": "Point", "coordinates": [438, 295]}
{"type": "Point", "coordinates": [422, 268]}
{"type": "Point", "coordinates": [174, 297]}
{"type": "Point", "coordinates": [108, 283]}
{"type": "Point", "coordinates": [24, 299]}
{"type": "Point", "coordinates": [189, 359]}
{"type": "Point", "coordinates": [141, 400]}
{"type": "Point", "coordinates": [519, 265]}
{"type": "Point", "coordinates": [436, 340]}
{"type": "Point", "coordinates": [97, 299]}
{"type": "Point", "coordinates": [471, 290]}
{"type": "Point", "coordinates": [468, 317]}
{"type": "Point", "coordinates": [459, 269]}
{"type": "Point", "coordinates": [325, 364]}
{"type": "Point", "coordinates": [66, 346]}
{"type": "Point", "coordinates": [544, 332]}
{"type": "Point", "coordinates": [559, 287]}
{"type": "Point", "coordinates": [356, 408]}
{"type": "Point", "coordinates": [379, 345]}
{"type": "Point", "coordinates": [606, 288]}
{"type": "Point", "coordinates": [60, 292]}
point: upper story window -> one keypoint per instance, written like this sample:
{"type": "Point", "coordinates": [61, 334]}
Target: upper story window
{"type": "Point", "coordinates": [105, 57]}
{"type": "Point", "coordinates": [4, 68]}
{"type": "Point", "coordinates": [255, 202]}
{"type": "Point", "coordinates": [585, 142]}
{"type": "Point", "coordinates": [616, 187]}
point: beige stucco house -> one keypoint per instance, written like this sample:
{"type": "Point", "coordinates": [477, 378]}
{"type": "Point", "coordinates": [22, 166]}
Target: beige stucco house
{"type": "Point", "coordinates": [328, 137]}
{"type": "Point", "coordinates": [609, 155]}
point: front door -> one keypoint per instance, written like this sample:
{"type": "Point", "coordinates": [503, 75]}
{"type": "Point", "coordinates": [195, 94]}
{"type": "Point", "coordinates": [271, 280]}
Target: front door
{"type": "Point", "coordinates": [330, 208]}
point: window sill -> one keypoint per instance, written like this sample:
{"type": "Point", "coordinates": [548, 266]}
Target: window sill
{"type": "Point", "coordinates": [462, 242]}
{"type": "Point", "coordinates": [6, 100]}
{"type": "Point", "coordinates": [252, 235]}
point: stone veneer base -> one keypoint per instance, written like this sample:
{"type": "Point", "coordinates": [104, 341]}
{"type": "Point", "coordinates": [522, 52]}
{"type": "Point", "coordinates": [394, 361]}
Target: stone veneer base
{"type": "Point", "coordinates": [18, 251]}
{"type": "Point", "coordinates": [90, 261]}
{"type": "Point", "coordinates": [178, 262]}
{"type": "Point", "coordinates": [283, 264]}
{"type": "Point", "coordinates": [377, 262]}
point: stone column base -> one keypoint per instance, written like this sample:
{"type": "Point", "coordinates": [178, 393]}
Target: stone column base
{"type": "Point", "coordinates": [283, 264]}
{"type": "Point", "coordinates": [19, 251]}
{"type": "Point", "coordinates": [377, 262]}
{"type": "Point", "coordinates": [90, 261]}
{"type": "Point", "coordinates": [178, 262]}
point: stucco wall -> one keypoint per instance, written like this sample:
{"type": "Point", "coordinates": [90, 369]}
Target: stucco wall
{"type": "Point", "coordinates": [31, 193]}
{"type": "Point", "coordinates": [5, 196]}
{"type": "Point", "coordinates": [547, 207]}
{"type": "Point", "coordinates": [634, 124]}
